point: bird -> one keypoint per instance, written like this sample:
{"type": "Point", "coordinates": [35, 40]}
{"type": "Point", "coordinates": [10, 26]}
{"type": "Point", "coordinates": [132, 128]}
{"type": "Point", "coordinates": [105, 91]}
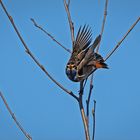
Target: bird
{"type": "Point", "coordinates": [84, 60]}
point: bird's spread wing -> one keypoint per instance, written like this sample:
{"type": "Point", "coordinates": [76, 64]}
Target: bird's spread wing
{"type": "Point", "coordinates": [89, 56]}
{"type": "Point", "coordinates": [83, 39]}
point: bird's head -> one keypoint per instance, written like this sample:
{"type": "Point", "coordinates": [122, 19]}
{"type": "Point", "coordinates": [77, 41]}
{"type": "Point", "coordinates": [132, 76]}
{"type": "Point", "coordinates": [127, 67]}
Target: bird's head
{"type": "Point", "coordinates": [71, 71]}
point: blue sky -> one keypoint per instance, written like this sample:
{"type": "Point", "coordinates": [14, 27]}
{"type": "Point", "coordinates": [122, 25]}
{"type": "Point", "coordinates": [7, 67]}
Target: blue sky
{"type": "Point", "coordinates": [43, 109]}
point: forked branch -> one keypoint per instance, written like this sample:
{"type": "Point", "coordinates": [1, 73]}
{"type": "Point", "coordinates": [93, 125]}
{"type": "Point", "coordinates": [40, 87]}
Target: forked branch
{"type": "Point", "coordinates": [48, 34]}
{"type": "Point", "coordinates": [14, 117]}
{"type": "Point", "coordinates": [70, 21]}
{"type": "Point", "coordinates": [33, 57]}
{"type": "Point", "coordinates": [119, 43]}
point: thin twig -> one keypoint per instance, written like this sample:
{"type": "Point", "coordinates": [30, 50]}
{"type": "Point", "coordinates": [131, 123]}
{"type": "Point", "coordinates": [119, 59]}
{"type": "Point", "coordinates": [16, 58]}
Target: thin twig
{"type": "Point", "coordinates": [48, 34]}
{"type": "Point", "coordinates": [70, 21]}
{"type": "Point", "coordinates": [83, 111]}
{"type": "Point", "coordinates": [88, 99]}
{"type": "Point", "coordinates": [33, 57]}
{"type": "Point", "coordinates": [14, 118]}
{"type": "Point", "coordinates": [103, 24]}
{"type": "Point", "coordinates": [119, 43]}
{"type": "Point", "coordinates": [93, 115]}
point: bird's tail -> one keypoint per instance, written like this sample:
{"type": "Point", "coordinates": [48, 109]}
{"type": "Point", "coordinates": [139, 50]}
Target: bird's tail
{"type": "Point", "coordinates": [101, 65]}
{"type": "Point", "coordinates": [99, 61]}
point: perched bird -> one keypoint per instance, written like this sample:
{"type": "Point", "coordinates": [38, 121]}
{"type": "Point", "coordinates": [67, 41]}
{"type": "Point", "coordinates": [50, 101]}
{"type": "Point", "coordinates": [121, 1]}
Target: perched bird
{"type": "Point", "coordinates": [84, 61]}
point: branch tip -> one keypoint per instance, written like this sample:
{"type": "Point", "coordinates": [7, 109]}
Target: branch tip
{"type": "Point", "coordinates": [49, 35]}
{"type": "Point", "coordinates": [14, 117]}
{"type": "Point", "coordinates": [123, 38]}
{"type": "Point", "coordinates": [103, 24]}
{"type": "Point", "coordinates": [71, 24]}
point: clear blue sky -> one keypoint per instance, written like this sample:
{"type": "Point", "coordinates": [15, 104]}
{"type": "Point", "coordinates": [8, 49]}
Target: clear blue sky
{"type": "Point", "coordinates": [43, 109]}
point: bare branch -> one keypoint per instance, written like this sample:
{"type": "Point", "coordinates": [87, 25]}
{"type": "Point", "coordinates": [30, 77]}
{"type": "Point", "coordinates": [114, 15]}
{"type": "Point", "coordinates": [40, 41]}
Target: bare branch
{"type": "Point", "coordinates": [83, 112]}
{"type": "Point", "coordinates": [93, 115]}
{"type": "Point", "coordinates": [103, 24]}
{"type": "Point", "coordinates": [88, 99]}
{"type": "Point", "coordinates": [14, 118]}
{"type": "Point", "coordinates": [70, 21]}
{"type": "Point", "coordinates": [33, 57]}
{"type": "Point", "coordinates": [48, 34]}
{"type": "Point", "coordinates": [119, 43]}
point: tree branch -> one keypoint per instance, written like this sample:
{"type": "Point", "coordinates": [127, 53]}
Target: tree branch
{"type": "Point", "coordinates": [70, 21]}
{"type": "Point", "coordinates": [48, 34]}
{"type": "Point", "coordinates": [33, 57]}
{"type": "Point", "coordinates": [93, 115]}
{"type": "Point", "coordinates": [88, 99]}
{"type": "Point", "coordinates": [103, 24]}
{"type": "Point", "coordinates": [83, 112]}
{"type": "Point", "coordinates": [14, 117]}
{"type": "Point", "coordinates": [119, 43]}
